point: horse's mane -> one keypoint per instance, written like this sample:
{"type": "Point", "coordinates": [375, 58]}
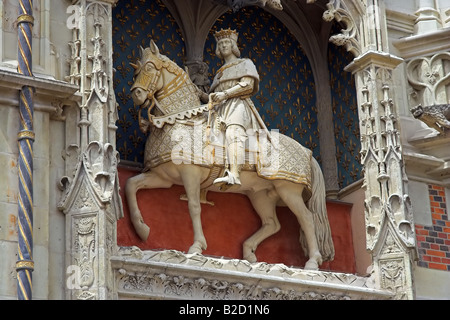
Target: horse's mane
{"type": "Point", "coordinates": [170, 65]}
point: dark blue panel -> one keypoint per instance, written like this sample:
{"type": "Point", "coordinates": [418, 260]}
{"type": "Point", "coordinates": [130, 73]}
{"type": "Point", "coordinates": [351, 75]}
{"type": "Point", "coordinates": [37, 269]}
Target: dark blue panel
{"type": "Point", "coordinates": [345, 114]}
{"type": "Point", "coordinates": [135, 23]}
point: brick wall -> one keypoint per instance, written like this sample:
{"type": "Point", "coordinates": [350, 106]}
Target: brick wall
{"type": "Point", "coordinates": [433, 242]}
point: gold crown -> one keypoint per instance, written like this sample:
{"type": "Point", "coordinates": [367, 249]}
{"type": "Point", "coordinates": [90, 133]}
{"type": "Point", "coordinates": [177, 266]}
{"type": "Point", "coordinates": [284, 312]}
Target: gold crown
{"type": "Point", "coordinates": [226, 34]}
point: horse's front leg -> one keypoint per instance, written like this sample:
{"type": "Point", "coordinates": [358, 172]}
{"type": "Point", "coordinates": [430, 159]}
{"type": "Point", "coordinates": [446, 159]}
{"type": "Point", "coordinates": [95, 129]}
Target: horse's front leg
{"type": "Point", "coordinates": [192, 176]}
{"type": "Point", "coordinates": [147, 180]}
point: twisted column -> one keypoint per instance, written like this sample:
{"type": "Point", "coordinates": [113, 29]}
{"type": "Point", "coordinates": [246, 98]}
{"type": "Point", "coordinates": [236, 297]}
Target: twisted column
{"type": "Point", "coordinates": [25, 264]}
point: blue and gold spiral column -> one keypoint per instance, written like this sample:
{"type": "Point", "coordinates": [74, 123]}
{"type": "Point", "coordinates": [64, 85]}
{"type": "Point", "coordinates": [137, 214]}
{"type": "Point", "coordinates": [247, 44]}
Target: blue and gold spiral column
{"type": "Point", "coordinates": [25, 264]}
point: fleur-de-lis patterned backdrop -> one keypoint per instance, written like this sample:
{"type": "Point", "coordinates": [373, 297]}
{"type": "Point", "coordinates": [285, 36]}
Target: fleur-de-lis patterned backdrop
{"type": "Point", "coordinates": [345, 114]}
{"type": "Point", "coordinates": [135, 23]}
{"type": "Point", "coordinates": [287, 96]}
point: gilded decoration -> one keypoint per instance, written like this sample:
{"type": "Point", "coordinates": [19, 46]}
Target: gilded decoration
{"type": "Point", "coordinates": [163, 146]}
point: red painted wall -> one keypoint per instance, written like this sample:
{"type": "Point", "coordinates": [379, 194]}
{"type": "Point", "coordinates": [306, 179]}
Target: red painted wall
{"type": "Point", "coordinates": [227, 225]}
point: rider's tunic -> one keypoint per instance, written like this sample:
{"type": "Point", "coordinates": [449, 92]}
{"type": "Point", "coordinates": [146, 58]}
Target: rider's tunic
{"type": "Point", "coordinates": [238, 110]}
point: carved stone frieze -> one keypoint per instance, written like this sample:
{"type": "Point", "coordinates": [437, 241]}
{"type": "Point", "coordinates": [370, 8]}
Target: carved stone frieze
{"type": "Point", "coordinates": [176, 275]}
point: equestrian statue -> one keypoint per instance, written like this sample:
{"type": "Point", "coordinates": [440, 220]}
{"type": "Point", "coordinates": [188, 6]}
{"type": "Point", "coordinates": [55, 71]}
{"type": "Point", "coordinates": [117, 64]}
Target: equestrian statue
{"type": "Point", "coordinates": [217, 141]}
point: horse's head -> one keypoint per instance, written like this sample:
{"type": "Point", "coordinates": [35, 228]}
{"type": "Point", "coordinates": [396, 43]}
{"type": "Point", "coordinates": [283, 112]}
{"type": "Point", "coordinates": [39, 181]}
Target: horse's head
{"type": "Point", "coordinates": [147, 74]}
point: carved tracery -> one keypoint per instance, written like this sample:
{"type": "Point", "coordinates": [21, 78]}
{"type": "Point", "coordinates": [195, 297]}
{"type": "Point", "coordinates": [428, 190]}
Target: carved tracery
{"type": "Point", "coordinates": [350, 36]}
{"type": "Point", "coordinates": [429, 78]}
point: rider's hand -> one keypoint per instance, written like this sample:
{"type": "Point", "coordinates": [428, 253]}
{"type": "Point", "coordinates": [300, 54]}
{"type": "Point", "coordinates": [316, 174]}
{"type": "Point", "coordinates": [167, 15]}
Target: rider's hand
{"type": "Point", "coordinates": [217, 97]}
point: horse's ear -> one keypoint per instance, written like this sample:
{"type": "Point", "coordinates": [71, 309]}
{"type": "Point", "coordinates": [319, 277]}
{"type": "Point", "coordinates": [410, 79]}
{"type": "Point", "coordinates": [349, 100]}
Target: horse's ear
{"type": "Point", "coordinates": [141, 50]}
{"type": "Point", "coordinates": [135, 66]}
{"type": "Point", "coordinates": [154, 47]}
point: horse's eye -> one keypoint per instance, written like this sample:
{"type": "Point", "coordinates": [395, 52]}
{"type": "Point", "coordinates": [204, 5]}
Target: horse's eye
{"type": "Point", "coordinates": [148, 67]}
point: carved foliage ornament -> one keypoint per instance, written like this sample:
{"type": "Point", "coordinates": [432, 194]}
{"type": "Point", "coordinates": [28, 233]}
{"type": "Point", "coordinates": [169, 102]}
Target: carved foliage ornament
{"type": "Point", "coordinates": [85, 242]}
{"type": "Point", "coordinates": [201, 288]}
{"type": "Point", "coordinates": [348, 37]}
{"type": "Point", "coordinates": [99, 165]}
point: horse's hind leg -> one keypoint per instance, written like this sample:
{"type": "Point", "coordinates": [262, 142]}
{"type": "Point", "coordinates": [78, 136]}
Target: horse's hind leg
{"type": "Point", "coordinates": [147, 180]}
{"type": "Point", "coordinates": [264, 202]}
{"type": "Point", "coordinates": [291, 194]}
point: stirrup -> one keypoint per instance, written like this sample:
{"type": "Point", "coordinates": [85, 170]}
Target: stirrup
{"type": "Point", "coordinates": [227, 181]}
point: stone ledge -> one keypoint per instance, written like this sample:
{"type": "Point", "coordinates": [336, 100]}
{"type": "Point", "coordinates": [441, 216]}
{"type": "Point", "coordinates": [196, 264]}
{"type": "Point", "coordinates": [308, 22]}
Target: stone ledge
{"type": "Point", "coordinates": [171, 274]}
{"type": "Point", "coordinates": [54, 88]}
{"type": "Point", "coordinates": [432, 152]}
{"type": "Point", "coordinates": [423, 44]}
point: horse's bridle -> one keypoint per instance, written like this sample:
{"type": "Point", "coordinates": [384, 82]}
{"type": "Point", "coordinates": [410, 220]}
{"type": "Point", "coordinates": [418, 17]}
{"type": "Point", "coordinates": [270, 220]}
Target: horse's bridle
{"type": "Point", "coordinates": [147, 81]}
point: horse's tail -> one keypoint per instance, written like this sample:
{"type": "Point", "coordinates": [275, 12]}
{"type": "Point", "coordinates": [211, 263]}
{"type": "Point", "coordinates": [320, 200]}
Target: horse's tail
{"type": "Point", "coordinates": [317, 205]}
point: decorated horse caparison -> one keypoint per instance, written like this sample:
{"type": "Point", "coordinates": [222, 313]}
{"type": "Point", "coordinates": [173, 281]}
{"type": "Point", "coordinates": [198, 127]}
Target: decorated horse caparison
{"type": "Point", "coordinates": [178, 151]}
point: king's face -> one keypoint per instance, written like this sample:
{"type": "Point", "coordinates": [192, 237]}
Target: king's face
{"type": "Point", "coordinates": [225, 46]}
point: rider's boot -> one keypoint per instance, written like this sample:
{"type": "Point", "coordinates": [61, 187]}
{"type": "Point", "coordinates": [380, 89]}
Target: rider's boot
{"type": "Point", "coordinates": [236, 158]}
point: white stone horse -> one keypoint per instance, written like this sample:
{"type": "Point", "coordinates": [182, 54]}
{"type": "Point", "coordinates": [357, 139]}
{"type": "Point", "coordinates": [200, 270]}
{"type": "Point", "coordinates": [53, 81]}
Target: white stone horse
{"type": "Point", "coordinates": [160, 82]}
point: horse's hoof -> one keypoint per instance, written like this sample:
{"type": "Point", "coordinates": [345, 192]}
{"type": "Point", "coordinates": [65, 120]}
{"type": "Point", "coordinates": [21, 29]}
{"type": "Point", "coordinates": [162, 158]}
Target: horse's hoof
{"type": "Point", "coordinates": [250, 257]}
{"type": "Point", "coordinates": [311, 265]}
{"type": "Point", "coordinates": [196, 248]}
